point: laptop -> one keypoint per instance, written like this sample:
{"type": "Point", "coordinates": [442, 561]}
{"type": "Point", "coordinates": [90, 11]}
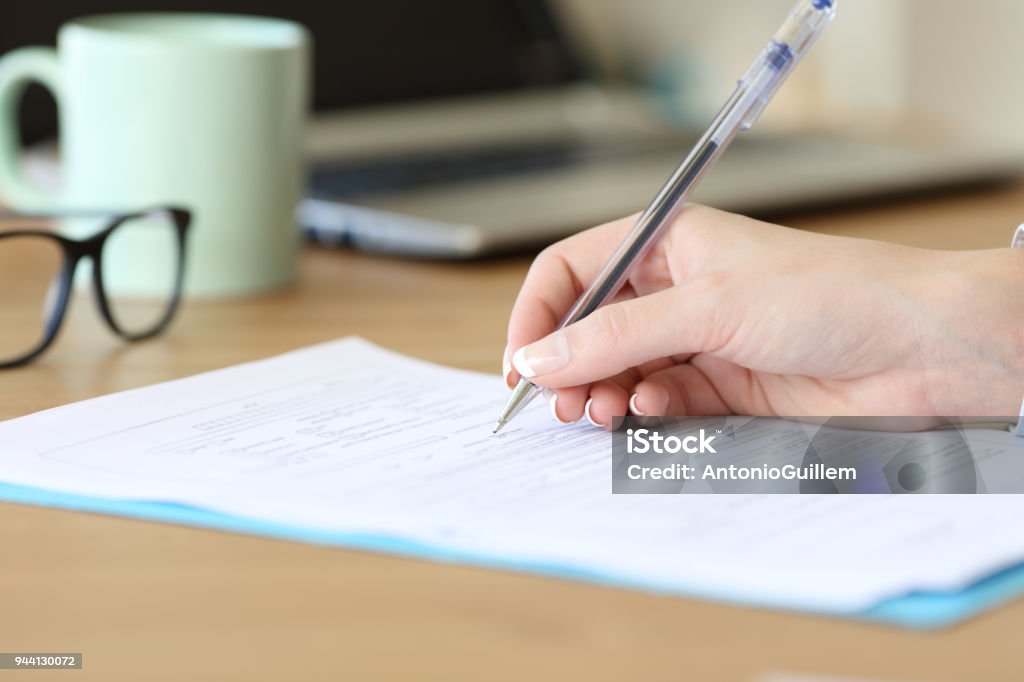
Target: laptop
{"type": "Point", "coordinates": [532, 151]}
{"type": "Point", "coordinates": [463, 128]}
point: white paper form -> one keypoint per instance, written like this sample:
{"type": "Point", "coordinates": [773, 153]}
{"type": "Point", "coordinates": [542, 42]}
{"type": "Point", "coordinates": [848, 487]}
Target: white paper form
{"type": "Point", "coordinates": [350, 438]}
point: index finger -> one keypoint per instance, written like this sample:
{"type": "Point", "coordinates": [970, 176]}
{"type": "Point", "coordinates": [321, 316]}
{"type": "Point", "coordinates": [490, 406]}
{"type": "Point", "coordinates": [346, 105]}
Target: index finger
{"type": "Point", "coordinates": [557, 278]}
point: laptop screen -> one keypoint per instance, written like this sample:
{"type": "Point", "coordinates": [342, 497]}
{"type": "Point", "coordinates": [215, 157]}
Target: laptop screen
{"type": "Point", "coordinates": [366, 51]}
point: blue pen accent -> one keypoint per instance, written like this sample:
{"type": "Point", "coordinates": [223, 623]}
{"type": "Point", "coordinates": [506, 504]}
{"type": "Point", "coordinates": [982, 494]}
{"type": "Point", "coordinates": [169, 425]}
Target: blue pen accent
{"type": "Point", "coordinates": [822, 4]}
{"type": "Point", "coordinates": [778, 55]}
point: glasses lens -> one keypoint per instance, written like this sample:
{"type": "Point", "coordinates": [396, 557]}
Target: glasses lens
{"type": "Point", "coordinates": [30, 275]}
{"type": "Point", "coordinates": [141, 259]}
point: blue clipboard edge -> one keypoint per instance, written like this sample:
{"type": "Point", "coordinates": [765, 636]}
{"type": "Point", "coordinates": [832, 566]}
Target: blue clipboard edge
{"type": "Point", "coordinates": [921, 611]}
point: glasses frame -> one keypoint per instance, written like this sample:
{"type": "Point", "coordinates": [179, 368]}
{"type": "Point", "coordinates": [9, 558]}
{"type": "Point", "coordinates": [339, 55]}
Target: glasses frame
{"type": "Point", "coordinates": [74, 251]}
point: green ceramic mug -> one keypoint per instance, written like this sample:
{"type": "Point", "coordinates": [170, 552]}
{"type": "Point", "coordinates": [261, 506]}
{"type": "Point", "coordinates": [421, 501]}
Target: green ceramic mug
{"type": "Point", "coordinates": [200, 110]}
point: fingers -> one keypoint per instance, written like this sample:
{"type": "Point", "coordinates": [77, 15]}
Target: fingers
{"type": "Point", "coordinates": [567, 404]}
{"type": "Point", "coordinates": [512, 376]}
{"type": "Point", "coordinates": [599, 404]}
{"type": "Point", "coordinates": [607, 401]}
{"type": "Point", "coordinates": [684, 319]}
{"type": "Point", "coordinates": [679, 391]}
{"type": "Point", "coordinates": [556, 279]}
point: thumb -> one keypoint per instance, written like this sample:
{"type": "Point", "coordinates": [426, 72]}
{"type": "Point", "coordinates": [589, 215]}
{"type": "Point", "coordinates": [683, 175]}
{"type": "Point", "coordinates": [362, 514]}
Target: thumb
{"type": "Point", "coordinates": [622, 335]}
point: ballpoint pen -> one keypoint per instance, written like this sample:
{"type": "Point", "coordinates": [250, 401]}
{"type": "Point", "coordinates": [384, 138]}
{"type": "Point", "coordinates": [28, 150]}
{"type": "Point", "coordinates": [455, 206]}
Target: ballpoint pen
{"type": "Point", "coordinates": [784, 51]}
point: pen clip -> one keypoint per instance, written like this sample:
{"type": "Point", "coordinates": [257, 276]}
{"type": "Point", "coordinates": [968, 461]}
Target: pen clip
{"type": "Point", "coordinates": [754, 113]}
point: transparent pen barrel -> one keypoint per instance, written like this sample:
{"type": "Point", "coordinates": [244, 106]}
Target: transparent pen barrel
{"type": "Point", "coordinates": [662, 212]}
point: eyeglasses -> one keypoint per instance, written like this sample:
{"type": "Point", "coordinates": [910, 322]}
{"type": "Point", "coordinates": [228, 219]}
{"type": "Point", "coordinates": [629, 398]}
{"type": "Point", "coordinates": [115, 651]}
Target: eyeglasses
{"type": "Point", "coordinates": [135, 262]}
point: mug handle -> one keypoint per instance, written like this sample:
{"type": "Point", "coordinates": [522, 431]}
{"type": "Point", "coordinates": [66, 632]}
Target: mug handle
{"type": "Point", "coordinates": [17, 69]}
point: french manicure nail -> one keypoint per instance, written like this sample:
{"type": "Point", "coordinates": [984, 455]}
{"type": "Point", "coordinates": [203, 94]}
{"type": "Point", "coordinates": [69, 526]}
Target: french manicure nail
{"type": "Point", "coordinates": [553, 404]}
{"type": "Point", "coordinates": [586, 411]}
{"type": "Point", "coordinates": [634, 409]}
{"type": "Point", "coordinates": [550, 354]}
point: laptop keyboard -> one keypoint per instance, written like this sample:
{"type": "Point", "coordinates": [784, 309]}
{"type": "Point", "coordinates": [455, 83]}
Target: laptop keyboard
{"type": "Point", "coordinates": [366, 177]}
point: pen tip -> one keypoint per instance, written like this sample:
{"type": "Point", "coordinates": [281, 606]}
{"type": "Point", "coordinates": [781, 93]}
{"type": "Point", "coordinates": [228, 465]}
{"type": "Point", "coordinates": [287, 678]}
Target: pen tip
{"type": "Point", "coordinates": [500, 426]}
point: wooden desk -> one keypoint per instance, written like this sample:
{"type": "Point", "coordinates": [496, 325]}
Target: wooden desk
{"type": "Point", "coordinates": [159, 602]}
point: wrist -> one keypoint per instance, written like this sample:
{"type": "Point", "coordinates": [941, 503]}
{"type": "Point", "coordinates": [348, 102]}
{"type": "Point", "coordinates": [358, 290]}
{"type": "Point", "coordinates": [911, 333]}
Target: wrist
{"type": "Point", "coordinates": [1008, 267]}
{"type": "Point", "coordinates": [983, 348]}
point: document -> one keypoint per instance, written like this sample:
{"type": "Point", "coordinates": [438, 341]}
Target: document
{"type": "Point", "coordinates": [353, 441]}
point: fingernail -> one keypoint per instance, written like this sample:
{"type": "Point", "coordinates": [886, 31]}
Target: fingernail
{"type": "Point", "coordinates": [634, 409]}
{"type": "Point", "coordinates": [586, 411]}
{"type": "Point", "coordinates": [506, 369]}
{"type": "Point", "coordinates": [550, 354]}
{"type": "Point", "coordinates": [553, 404]}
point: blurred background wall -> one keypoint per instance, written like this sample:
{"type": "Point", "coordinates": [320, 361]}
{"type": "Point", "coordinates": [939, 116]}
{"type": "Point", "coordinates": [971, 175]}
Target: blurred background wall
{"type": "Point", "coordinates": [937, 64]}
{"type": "Point", "coordinates": [934, 64]}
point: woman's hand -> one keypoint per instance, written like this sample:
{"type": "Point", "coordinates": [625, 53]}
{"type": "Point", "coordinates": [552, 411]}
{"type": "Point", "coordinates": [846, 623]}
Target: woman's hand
{"type": "Point", "coordinates": [728, 315]}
